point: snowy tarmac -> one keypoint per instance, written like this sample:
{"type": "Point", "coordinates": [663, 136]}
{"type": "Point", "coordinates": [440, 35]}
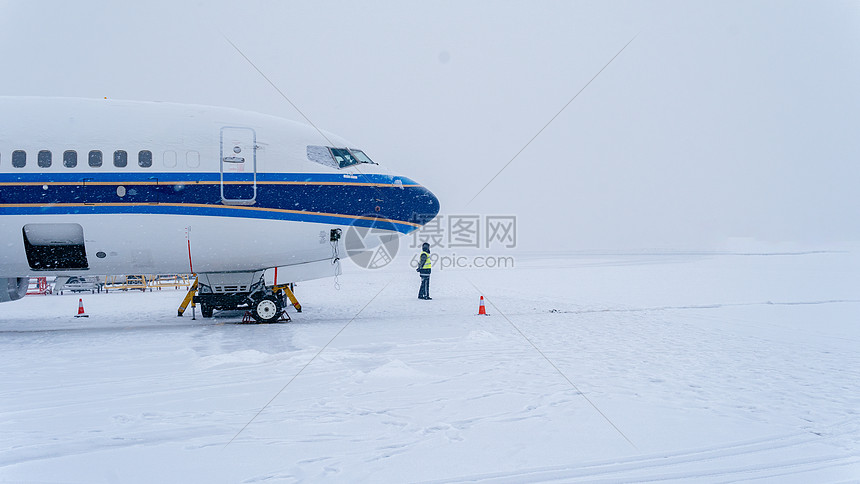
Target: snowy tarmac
{"type": "Point", "coordinates": [590, 368]}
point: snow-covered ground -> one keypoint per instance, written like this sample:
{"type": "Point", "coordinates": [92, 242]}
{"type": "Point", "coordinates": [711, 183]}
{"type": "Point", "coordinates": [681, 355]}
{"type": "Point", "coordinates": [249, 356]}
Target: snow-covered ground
{"type": "Point", "coordinates": [708, 367]}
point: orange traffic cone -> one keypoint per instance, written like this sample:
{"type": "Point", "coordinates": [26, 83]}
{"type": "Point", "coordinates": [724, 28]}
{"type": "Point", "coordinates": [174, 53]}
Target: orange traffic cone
{"type": "Point", "coordinates": [81, 313]}
{"type": "Point", "coordinates": [481, 308]}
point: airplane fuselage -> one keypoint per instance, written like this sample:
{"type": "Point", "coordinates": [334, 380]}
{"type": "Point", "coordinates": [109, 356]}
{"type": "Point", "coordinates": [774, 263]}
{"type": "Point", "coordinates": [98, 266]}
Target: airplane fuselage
{"type": "Point", "coordinates": [115, 187]}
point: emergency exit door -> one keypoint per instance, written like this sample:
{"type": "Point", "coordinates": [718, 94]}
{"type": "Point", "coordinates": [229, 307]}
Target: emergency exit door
{"type": "Point", "coordinates": [238, 166]}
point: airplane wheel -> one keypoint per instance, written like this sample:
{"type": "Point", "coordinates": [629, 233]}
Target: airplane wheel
{"type": "Point", "coordinates": [267, 310]}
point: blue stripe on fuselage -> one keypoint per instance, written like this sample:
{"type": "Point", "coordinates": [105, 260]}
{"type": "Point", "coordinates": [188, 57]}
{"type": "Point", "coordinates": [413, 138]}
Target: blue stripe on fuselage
{"type": "Point", "coordinates": [311, 197]}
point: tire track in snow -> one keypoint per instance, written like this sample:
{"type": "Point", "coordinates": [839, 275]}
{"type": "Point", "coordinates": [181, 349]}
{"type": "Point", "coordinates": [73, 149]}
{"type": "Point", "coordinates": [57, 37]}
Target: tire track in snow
{"type": "Point", "coordinates": [703, 306]}
{"type": "Point", "coordinates": [671, 466]}
{"type": "Point", "coordinates": [64, 448]}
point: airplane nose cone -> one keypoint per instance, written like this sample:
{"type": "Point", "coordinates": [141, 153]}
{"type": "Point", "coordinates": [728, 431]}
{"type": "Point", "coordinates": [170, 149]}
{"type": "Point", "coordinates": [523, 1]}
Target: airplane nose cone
{"type": "Point", "coordinates": [405, 204]}
{"type": "Point", "coordinates": [412, 205]}
{"type": "Point", "coordinates": [426, 206]}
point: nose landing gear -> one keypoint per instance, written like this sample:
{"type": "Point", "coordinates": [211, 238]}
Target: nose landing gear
{"type": "Point", "coordinates": [264, 304]}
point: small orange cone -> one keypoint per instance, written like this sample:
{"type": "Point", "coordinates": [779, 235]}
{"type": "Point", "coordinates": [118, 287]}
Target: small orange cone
{"type": "Point", "coordinates": [81, 313]}
{"type": "Point", "coordinates": [481, 308]}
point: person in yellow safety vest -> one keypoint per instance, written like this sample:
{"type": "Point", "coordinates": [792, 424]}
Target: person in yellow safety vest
{"type": "Point", "coordinates": [424, 270]}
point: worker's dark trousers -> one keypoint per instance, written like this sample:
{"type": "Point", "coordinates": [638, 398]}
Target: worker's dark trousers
{"type": "Point", "coordinates": [425, 286]}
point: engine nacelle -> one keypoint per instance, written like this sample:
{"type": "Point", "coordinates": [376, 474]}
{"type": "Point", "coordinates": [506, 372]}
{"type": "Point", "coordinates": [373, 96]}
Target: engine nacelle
{"type": "Point", "coordinates": [13, 288]}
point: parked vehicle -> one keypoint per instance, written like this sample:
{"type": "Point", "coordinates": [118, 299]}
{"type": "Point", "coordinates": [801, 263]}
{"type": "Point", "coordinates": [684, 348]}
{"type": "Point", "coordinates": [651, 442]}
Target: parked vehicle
{"type": "Point", "coordinates": [79, 284]}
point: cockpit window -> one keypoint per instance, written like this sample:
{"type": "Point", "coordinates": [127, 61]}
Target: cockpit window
{"type": "Point", "coordinates": [343, 157]}
{"type": "Point", "coordinates": [321, 155]}
{"type": "Point", "coordinates": [360, 156]}
{"type": "Point", "coordinates": [337, 157]}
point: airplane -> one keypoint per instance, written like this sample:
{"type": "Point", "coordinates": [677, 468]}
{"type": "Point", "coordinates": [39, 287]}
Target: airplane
{"type": "Point", "coordinates": [97, 186]}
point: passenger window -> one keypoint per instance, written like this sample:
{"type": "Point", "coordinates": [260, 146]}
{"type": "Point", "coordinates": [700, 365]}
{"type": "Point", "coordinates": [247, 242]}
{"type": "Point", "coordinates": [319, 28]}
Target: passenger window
{"type": "Point", "coordinates": [70, 159]}
{"type": "Point", "coordinates": [44, 159]}
{"type": "Point", "coordinates": [95, 158]}
{"type": "Point", "coordinates": [19, 158]}
{"type": "Point", "coordinates": [170, 158]}
{"type": "Point", "coordinates": [120, 159]}
{"type": "Point", "coordinates": [144, 159]}
{"type": "Point", "coordinates": [192, 159]}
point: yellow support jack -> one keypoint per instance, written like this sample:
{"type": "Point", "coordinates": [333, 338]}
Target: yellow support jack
{"type": "Point", "coordinates": [189, 298]}
{"type": "Point", "coordinates": [288, 290]}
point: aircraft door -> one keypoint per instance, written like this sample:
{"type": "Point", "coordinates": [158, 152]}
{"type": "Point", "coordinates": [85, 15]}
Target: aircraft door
{"type": "Point", "coordinates": [238, 166]}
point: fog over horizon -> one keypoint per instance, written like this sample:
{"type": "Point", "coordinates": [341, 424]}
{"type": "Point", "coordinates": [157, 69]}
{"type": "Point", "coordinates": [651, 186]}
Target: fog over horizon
{"type": "Point", "coordinates": [720, 121]}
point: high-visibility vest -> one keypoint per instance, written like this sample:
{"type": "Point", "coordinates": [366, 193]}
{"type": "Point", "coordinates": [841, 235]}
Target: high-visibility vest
{"type": "Point", "coordinates": [426, 261]}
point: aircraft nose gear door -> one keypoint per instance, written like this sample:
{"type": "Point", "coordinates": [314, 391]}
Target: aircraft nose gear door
{"type": "Point", "coordinates": [238, 166]}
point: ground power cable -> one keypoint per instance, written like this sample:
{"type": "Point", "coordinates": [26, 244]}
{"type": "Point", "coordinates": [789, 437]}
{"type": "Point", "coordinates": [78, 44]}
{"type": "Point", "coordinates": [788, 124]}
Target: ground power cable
{"type": "Point", "coordinates": [308, 363]}
{"type": "Point", "coordinates": [545, 357]}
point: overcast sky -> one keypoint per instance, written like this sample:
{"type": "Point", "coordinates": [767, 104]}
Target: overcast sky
{"type": "Point", "coordinates": [721, 119]}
